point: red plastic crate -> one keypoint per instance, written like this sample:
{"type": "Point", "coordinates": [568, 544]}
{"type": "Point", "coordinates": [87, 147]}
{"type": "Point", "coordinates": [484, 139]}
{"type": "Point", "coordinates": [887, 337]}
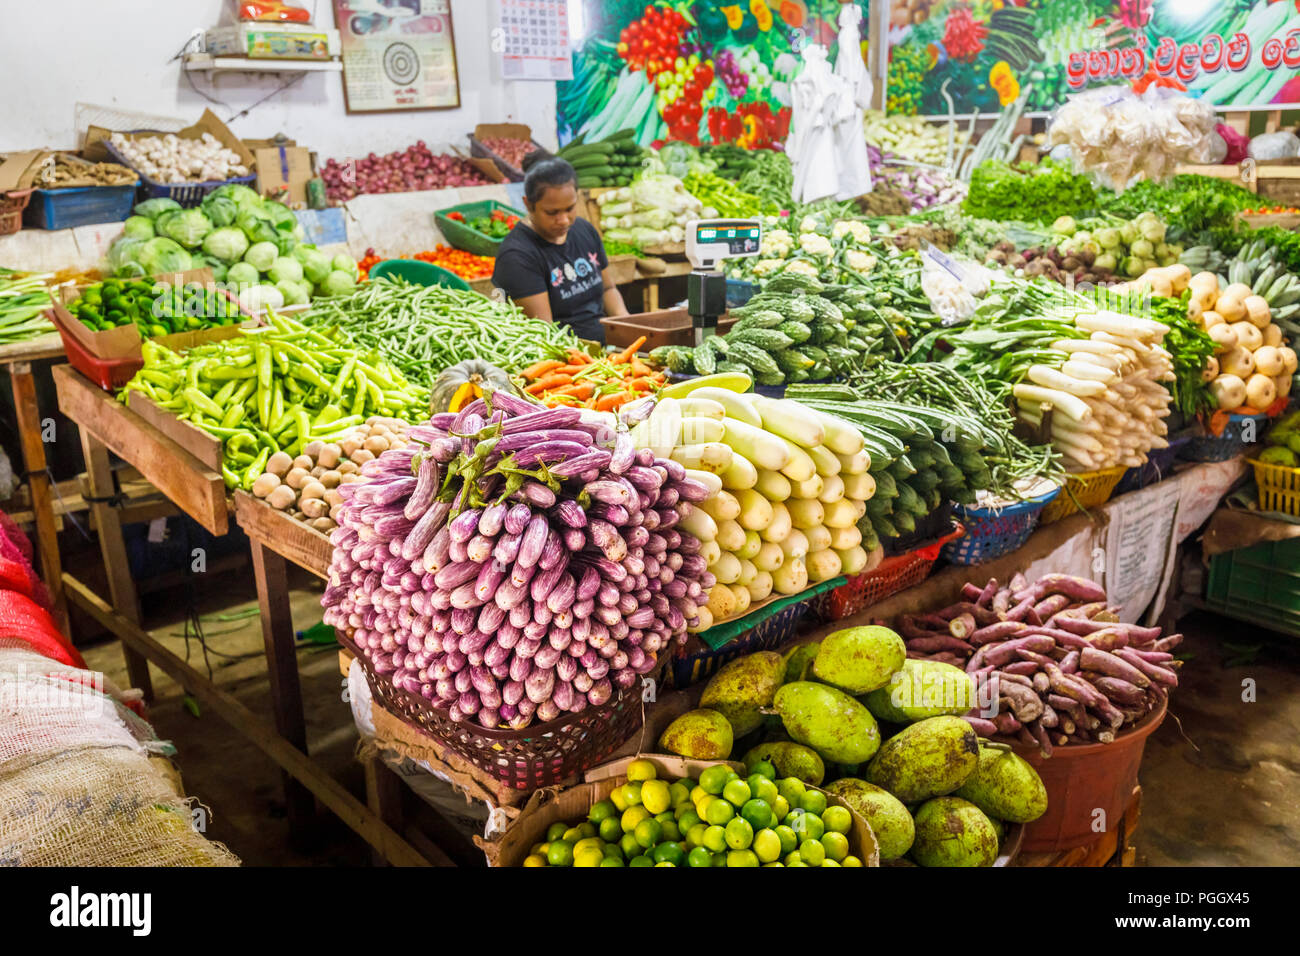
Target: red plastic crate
{"type": "Point", "coordinates": [109, 374]}
{"type": "Point", "coordinates": [891, 576]}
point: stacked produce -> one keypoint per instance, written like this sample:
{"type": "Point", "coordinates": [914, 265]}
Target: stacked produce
{"type": "Point", "coordinates": [68, 172]}
{"type": "Point", "coordinates": [464, 264]}
{"type": "Point", "coordinates": [721, 819]}
{"type": "Point", "coordinates": [830, 248]}
{"type": "Point", "coordinates": [495, 226]}
{"type": "Point", "coordinates": [1191, 204]}
{"type": "Point", "coordinates": [1282, 442]}
{"type": "Point", "coordinates": [1261, 264]}
{"type": "Point", "coordinates": [174, 159]}
{"type": "Point", "coordinates": [931, 791]}
{"type": "Point", "coordinates": [273, 389]}
{"type": "Point", "coordinates": [154, 308]}
{"type": "Point", "coordinates": [1027, 192]}
{"type": "Point", "coordinates": [424, 330]}
{"type": "Point", "coordinates": [24, 300]}
{"type": "Point", "coordinates": [924, 186]}
{"type": "Point", "coordinates": [652, 212]}
{"type": "Point", "coordinates": [1190, 347]}
{"type": "Point", "coordinates": [788, 487]}
{"type": "Point", "coordinates": [523, 566]}
{"type": "Point", "coordinates": [307, 487]}
{"type": "Point", "coordinates": [1061, 666]}
{"type": "Point", "coordinates": [724, 199]}
{"type": "Point", "coordinates": [613, 161]}
{"type": "Point", "coordinates": [1093, 250]}
{"type": "Point", "coordinates": [414, 168]}
{"type": "Point", "coordinates": [512, 150]}
{"type": "Point", "coordinates": [765, 173]}
{"type": "Point", "coordinates": [584, 381]}
{"type": "Point", "coordinates": [911, 137]}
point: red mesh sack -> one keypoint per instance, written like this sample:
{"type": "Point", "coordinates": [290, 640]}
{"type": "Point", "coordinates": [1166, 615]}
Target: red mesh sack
{"type": "Point", "coordinates": [23, 619]}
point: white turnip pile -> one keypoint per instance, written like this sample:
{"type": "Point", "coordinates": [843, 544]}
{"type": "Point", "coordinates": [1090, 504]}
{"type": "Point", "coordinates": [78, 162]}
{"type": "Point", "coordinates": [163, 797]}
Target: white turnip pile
{"type": "Point", "coordinates": [522, 565]}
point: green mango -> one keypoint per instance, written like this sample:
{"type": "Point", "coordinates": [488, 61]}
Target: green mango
{"type": "Point", "coordinates": [927, 759]}
{"type": "Point", "coordinates": [1279, 455]}
{"type": "Point", "coordinates": [740, 688]}
{"type": "Point", "coordinates": [951, 831]}
{"type": "Point", "coordinates": [922, 689]}
{"type": "Point", "coordinates": [790, 760]}
{"type": "Point", "coordinates": [889, 819]}
{"type": "Point", "coordinates": [1006, 786]}
{"type": "Point", "coordinates": [798, 660]}
{"type": "Point", "coordinates": [829, 721]}
{"type": "Point", "coordinates": [699, 734]}
{"type": "Point", "coordinates": [859, 659]}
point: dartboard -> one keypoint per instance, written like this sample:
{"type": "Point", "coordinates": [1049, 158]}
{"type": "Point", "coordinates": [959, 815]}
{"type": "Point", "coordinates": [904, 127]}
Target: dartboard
{"type": "Point", "coordinates": [401, 63]}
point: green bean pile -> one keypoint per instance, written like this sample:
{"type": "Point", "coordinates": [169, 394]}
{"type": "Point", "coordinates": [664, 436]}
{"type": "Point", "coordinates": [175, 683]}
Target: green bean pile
{"type": "Point", "coordinates": [423, 330]}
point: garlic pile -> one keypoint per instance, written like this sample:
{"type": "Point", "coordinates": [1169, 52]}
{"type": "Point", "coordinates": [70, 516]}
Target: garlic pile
{"type": "Point", "coordinates": [171, 159]}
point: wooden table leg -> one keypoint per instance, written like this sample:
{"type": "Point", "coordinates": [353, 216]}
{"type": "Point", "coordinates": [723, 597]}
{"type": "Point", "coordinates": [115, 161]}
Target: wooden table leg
{"type": "Point", "coordinates": [384, 797]}
{"type": "Point", "coordinates": [652, 295]}
{"type": "Point", "coordinates": [47, 537]}
{"type": "Point", "coordinates": [271, 573]}
{"type": "Point", "coordinates": [121, 588]}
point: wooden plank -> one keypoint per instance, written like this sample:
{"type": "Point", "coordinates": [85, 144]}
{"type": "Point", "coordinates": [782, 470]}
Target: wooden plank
{"type": "Point", "coordinates": [196, 489]}
{"type": "Point", "coordinates": [28, 413]}
{"type": "Point", "coordinates": [49, 345]}
{"type": "Point", "coordinates": [338, 800]}
{"type": "Point", "coordinates": [304, 546]}
{"type": "Point", "coordinates": [384, 793]}
{"type": "Point", "coordinates": [195, 441]}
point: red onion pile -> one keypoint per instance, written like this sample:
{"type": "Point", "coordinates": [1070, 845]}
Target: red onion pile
{"type": "Point", "coordinates": [514, 568]}
{"type": "Point", "coordinates": [414, 168]}
{"type": "Point", "coordinates": [512, 151]}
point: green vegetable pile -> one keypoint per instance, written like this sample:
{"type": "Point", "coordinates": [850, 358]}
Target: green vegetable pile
{"type": "Point", "coordinates": [422, 330]}
{"type": "Point", "coordinates": [727, 199]}
{"type": "Point", "coordinates": [613, 161]}
{"type": "Point", "coordinates": [767, 174]}
{"type": "Point", "coordinates": [23, 301]}
{"type": "Point", "coordinates": [274, 389]}
{"type": "Point", "coordinates": [1027, 192]}
{"type": "Point", "coordinates": [154, 308]}
{"type": "Point", "coordinates": [1191, 348]}
{"type": "Point", "coordinates": [1190, 204]}
{"type": "Point", "coordinates": [1283, 442]}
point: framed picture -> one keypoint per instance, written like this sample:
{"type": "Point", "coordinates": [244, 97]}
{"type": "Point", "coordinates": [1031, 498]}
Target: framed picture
{"type": "Point", "coordinates": [398, 55]}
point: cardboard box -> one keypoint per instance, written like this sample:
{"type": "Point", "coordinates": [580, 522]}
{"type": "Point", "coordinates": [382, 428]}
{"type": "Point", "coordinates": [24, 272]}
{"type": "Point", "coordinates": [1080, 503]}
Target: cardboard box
{"type": "Point", "coordinates": [501, 131]}
{"type": "Point", "coordinates": [208, 123]}
{"type": "Point", "coordinates": [283, 168]}
{"type": "Point", "coordinates": [18, 169]}
{"type": "Point", "coordinates": [279, 41]}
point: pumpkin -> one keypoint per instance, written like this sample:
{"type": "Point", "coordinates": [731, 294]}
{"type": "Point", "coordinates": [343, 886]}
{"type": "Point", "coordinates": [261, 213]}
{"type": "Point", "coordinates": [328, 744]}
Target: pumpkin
{"type": "Point", "coordinates": [456, 387]}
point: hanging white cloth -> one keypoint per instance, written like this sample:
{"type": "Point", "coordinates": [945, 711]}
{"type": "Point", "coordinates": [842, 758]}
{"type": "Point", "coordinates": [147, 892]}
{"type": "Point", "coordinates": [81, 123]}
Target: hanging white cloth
{"type": "Point", "coordinates": [850, 141]}
{"type": "Point", "coordinates": [818, 96]}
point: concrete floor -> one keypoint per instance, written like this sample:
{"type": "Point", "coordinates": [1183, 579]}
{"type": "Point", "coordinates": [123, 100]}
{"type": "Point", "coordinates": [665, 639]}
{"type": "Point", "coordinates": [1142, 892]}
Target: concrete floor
{"type": "Point", "coordinates": [1221, 784]}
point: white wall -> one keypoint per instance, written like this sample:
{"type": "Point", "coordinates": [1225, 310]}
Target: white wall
{"type": "Point", "coordinates": [118, 53]}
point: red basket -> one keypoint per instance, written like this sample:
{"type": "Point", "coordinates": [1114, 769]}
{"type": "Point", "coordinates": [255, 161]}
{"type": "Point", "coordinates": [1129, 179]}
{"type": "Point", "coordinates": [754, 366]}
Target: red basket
{"type": "Point", "coordinates": [891, 576]}
{"type": "Point", "coordinates": [12, 205]}
{"type": "Point", "coordinates": [108, 373]}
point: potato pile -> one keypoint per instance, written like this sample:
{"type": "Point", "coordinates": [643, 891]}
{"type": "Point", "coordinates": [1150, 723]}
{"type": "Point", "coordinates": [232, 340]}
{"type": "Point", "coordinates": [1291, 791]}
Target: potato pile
{"type": "Point", "coordinates": [307, 487]}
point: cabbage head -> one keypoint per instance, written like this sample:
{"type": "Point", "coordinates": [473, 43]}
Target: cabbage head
{"type": "Point", "coordinates": [315, 265]}
{"type": "Point", "coordinates": [259, 298]}
{"type": "Point", "coordinates": [162, 255]}
{"type": "Point", "coordinates": [261, 256]}
{"type": "Point", "coordinates": [242, 274]}
{"type": "Point", "coordinates": [153, 208]}
{"type": "Point", "coordinates": [338, 283]}
{"type": "Point", "coordinates": [292, 292]}
{"type": "Point", "coordinates": [344, 263]}
{"type": "Point", "coordinates": [188, 227]}
{"type": "Point", "coordinates": [218, 268]}
{"type": "Point", "coordinates": [286, 267]}
{"type": "Point", "coordinates": [123, 257]}
{"type": "Point", "coordinates": [227, 244]}
{"type": "Point", "coordinates": [138, 227]}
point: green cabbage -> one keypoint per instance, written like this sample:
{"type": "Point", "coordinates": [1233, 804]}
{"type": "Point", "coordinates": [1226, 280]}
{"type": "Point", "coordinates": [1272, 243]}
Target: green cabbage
{"type": "Point", "coordinates": [153, 208]}
{"type": "Point", "coordinates": [302, 251]}
{"type": "Point", "coordinates": [315, 265]}
{"type": "Point", "coordinates": [227, 244]}
{"type": "Point", "coordinates": [220, 210]}
{"type": "Point", "coordinates": [292, 292]}
{"type": "Point", "coordinates": [188, 227]}
{"type": "Point", "coordinates": [162, 255]}
{"type": "Point", "coordinates": [138, 227]}
{"type": "Point", "coordinates": [237, 193]}
{"type": "Point", "coordinates": [338, 283]}
{"type": "Point", "coordinates": [261, 256]}
{"type": "Point", "coordinates": [122, 257]}
{"type": "Point", "coordinates": [242, 274]}
{"type": "Point", "coordinates": [269, 222]}
{"type": "Point", "coordinates": [286, 267]}
{"type": "Point", "coordinates": [344, 263]}
{"type": "Point", "coordinates": [218, 268]}
{"type": "Point", "coordinates": [258, 298]}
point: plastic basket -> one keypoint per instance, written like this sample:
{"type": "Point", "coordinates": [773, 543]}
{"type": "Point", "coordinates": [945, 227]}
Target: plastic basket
{"type": "Point", "coordinates": [1229, 444]}
{"type": "Point", "coordinates": [1158, 466]}
{"type": "Point", "coordinates": [187, 194]}
{"type": "Point", "coordinates": [542, 755]}
{"type": "Point", "coordinates": [891, 576]}
{"type": "Point", "coordinates": [1084, 490]}
{"type": "Point", "coordinates": [1259, 584]}
{"type": "Point", "coordinates": [461, 236]}
{"type": "Point", "coordinates": [12, 205]}
{"type": "Point", "coordinates": [419, 273]}
{"type": "Point", "coordinates": [936, 523]}
{"type": "Point", "coordinates": [739, 292]}
{"type": "Point", "coordinates": [993, 532]}
{"type": "Point", "coordinates": [79, 206]}
{"type": "Point", "coordinates": [1278, 487]}
{"type": "Point", "coordinates": [766, 634]}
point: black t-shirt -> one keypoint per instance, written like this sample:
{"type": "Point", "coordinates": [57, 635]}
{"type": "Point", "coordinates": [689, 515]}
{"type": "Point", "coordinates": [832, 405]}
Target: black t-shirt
{"type": "Point", "coordinates": [569, 274]}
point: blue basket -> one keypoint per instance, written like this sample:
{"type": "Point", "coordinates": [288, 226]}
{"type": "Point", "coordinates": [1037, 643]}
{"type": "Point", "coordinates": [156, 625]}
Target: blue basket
{"type": "Point", "coordinates": [1203, 447]}
{"type": "Point", "coordinates": [991, 533]}
{"type": "Point", "coordinates": [766, 635]}
{"type": "Point", "coordinates": [187, 194]}
{"type": "Point", "coordinates": [79, 206]}
{"type": "Point", "coordinates": [1159, 465]}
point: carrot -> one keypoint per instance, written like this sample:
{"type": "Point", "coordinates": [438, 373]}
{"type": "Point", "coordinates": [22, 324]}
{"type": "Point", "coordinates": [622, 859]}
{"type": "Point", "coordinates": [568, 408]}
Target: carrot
{"type": "Point", "coordinates": [570, 369]}
{"type": "Point", "coordinates": [612, 401]}
{"type": "Point", "coordinates": [639, 368]}
{"type": "Point", "coordinates": [579, 390]}
{"type": "Point", "coordinates": [548, 382]}
{"type": "Point", "coordinates": [641, 384]}
{"type": "Point", "coordinates": [541, 368]}
{"type": "Point", "coordinates": [578, 357]}
{"type": "Point", "coordinates": [622, 358]}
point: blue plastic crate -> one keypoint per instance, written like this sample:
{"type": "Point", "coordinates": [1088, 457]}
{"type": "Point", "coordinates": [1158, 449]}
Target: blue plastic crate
{"type": "Point", "coordinates": [187, 194]}
{"type": "Point", "coordinates": [739, 291]}
{"type": "Point", "coordinates": [993, 532]}
{"type": "Point", "coordinates": [79, 206]}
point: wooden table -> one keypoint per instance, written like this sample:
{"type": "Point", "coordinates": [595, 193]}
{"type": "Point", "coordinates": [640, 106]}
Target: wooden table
{"type": "Point", "coordinates": [106, 425]}
{"type": "Point", "coordinates": [18, 358]}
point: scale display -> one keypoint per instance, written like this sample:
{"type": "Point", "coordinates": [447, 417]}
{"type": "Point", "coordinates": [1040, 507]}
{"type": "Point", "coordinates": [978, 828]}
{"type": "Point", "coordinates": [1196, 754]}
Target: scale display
{"type": "Point", "coordinates": [711, 240]}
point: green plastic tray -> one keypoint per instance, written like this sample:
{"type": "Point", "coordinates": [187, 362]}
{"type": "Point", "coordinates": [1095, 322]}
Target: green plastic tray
{"type": "Point", "coordinates": [461, 236]}
{"type": "Point", "coordinates": [418, 273]}
{"type": "Point", "coordinates": [1260, 584]}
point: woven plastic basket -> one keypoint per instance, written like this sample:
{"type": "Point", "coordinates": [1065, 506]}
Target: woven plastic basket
{"type": "Point", "coordinates": [1158, 466]}
{"type": "Point", "coordinates": [187, 194]}
{"type": "Point", "coordinates": [891, 576]}
{"type": "Point", "coordinates": [12, 205]}
{"type": "Point", "coordinates": [1278, 487]}
{"type": "Point", "coordinates": [1232, 442]}
{"type": "Point", "coordinates": [462, 235]}
{"type": "Point", "coordinates": [542, 755]}
{"type": "Point", "coordinates": [1084, 490]}
{"type": "Point", "coordinates": [767, 633]}
{"type": "Point", "coordinates": [993, 532]}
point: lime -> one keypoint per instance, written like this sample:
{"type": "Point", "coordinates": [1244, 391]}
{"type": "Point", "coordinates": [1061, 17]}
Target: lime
{"type": "Point", "coordinates": [649, 832]}
{"type": "Point", "coordinates": [632, 816]}
{"type": "Point", "coordinates": [758, 813]}
{"type": "Point", "coordinates": [774, 863]}
{"type": "Point", "coordinates": [742, 858]}
{"type": "Point", "coordinates": [642, 860]}
{"type": "Point", "coordinates": [672, 831]}
{"type": "Point", "coordinates": [699, 857]}
{"type": "Point", "coordinates": [560, 853]}
{"type": "Point", "coordinates": [534, 859]}
{"type": "Point", "coordinates": [665, 863]}
{"type": "Point", "coordinates": [837, 819]}
{"type": "Point", "coordinates": [619, 801]}
{"type": "Point", "coordinates": [850, 861]}
{"type": "Point", "coordinates": [812, 852]}
{"type": "Point", "coordinates": [632, 793]}
{"type": "Point", "coordinates": [555, 831]}
{"type": "Point", "coordinates": [794, 859]}
{"type": "Point", "coordinates": [588, 856]}
{"type": "Point", "coordinates": [538, 848]}
{"type": "Point", "coordinates": [715, 839]}
{"type": "Point", "coordinates": [766, 846]}
{"type": "Point", "coordinates": [739, 834]}
{"type": "Point", "coordinates": [719, 812]}
{"type": "Point", "coordinates": [629, 846]}
{"type": "Point", "coordinates": [719, 859]}
{"type": "Point", "coordinates": [715, 778]}
{"type": "Point", "coordinates": [780, 807]}
{"type": "Point", "coordinates": [763, 768]}
{"type": "Point", "coordinates": [762, 788]}
{"type": "Point", "coordinates": [836, 845]}
{"type": "Point", "coordinates": [586, 843]}
{"type": "Point", "coordinates": [695, 835]}
{"type": "Point", "coordinates": [680, 794]}
{"type": "Point", "coordinates": [669, 852]}
{"type": "Point", "coordinates": [655, 796]}
{"type": "Point", "coordinates": [586, 830]}
{"type": "Point", "coordinates": [612, 849]}
{"type": "Point", "coordinates": [829, 862]}
{"type": "Point", "coordinates": [808, 826]}
{"type": "Point", "coordinates": [572, 835]}
{"type": "Point", "coordinates": [698, 793]}
{"type": "Point", "coordinates": [666, 817]}
{"type": "Point", "coordinates": [641, 770]}
{"type": "Point", "coordinates": [611, 829]}
{"type": "Point", "coordinates": [789, 840]}
{"type": "Point", "coordinates": [688, 821]}
{"type": "Point", "coordinates": [600, 811]}
{"type": "Point", "coordinates": [736, 792]}
{"type": "Point", "coordinates": [814, 801]}
{"type": "Point", "coordinates": [612, 861]}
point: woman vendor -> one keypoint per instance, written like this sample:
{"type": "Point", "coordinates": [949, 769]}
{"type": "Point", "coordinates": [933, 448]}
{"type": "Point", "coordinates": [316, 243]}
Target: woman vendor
{"type": "Point", "coordinates": [553, 264]}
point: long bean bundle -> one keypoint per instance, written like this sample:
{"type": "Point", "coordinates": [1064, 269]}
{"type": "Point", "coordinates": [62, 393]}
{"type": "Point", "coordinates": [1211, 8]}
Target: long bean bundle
{"type": "Point", "coordinates": [423, 330]}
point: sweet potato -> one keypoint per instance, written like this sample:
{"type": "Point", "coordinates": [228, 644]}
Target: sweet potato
{"type": "Point", "coordinates": [1077, 589]}
{"type": "Point", "coordinates": [1051, 605]}
{"type": "Point", "coordinates": [1001, 603]}
{"type": "Point", "coordinates": [1107, 640]}
{"type": "Point", "coordinates": [1005, 653]}
{"type": "Point", "coordinates": [1040, 682]}
{"type": "Point", "coordinates": [909, 627]}
{"type": "Point", "coordinates": [1023, 668]}
{"type": "Point", "coordinates": [1070, 662]}
{"type": "Point", "coordinates": [1109, 713]}
{"type": "Point", "coordinates": [938, 642]}
{"type": "Point", "coordinates": [996, 632]}
{"type": "Point", "coordinates": [1145, 668]}
{"type": "Point", "coordinates": [1003, 675]}
{"type": "Point", "coordinates": [983, 726]}
{"type": "Point", "coordinates": [971, 592]}
{"type": "Point", "coordinates": [1136, 633]}
{"type": "Point", "coordinates": [1064, 638]}
{"type": "Point", "coordinates": [1044, 743]}
{"type": "Point", "coordinates": [1025, 703]}
{"type": "Point", "coordinates": [1049, 718]}
{"type": "Point", "coordinates": [962, 626]}
{"type": "Point", "coordinates": [1006, 723]}
{"type": "Point", "coordinates": [1113, 665]}
{"type": "Point", "coordinates": [1018, 582]}
{"type": "Point", "coordinates": [985, 598]}
{"type": "Point", "coordinates": [1022, 610]}
{"type": "Point", "coordinates": [1066, 705]}
{"type": "Point", "coordinates": [1117, 690]}
{"type": "Point", "coordinates": [1154, 657]}
{"type": "Point", "coordinates": [983, 615]}
{"type": "Point", "coordinates": [1167, 643]}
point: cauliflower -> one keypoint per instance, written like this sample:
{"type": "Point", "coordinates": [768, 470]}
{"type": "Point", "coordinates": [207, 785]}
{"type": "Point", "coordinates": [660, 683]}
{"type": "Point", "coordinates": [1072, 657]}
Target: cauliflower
{"type": "Point", "coordinates": [848, 227]}
{"type": "Point", "coordinates": [859, 262]}
{"type": "Point", "coordinates": [816, 245]}
{"type": "Point", "coordinates": [809, 224]}
{"type": "Point", "coordinates": [778, 243]}
{"type": "Point", "coordinates": [800, 267]}
{"type": "Point", "coordinates": [766, 267]}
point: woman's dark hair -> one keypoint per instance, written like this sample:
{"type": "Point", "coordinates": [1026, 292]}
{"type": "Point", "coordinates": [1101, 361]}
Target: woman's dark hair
{"type": "Point", "coordinates": [542, 174]}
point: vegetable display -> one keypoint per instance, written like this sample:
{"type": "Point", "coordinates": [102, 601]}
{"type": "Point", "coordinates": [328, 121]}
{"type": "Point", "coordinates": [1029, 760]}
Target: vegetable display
{"type": "Point", "coordinates": [652, 212]}
{"type": "Point", "coordinates": [510, 149]}
{"type": "Point", "coordinates": [1053, 655]}
{"type": "Point", "coordinates": [911, 137]}
{"type": "Point", "coordinates": [1026, 192]}
{"type": "Point", "coordinates": [723, 198]}
{"type": "Point", "coordinates": [1282, 442]}
{"type": "Point", "coordinates": [521, 565]}
{"type": "Point", "coordinates": [467, 265]}
{"type": "Point", "coordinates": [580, 380]}
{"type": "Point", "coordinates": [24, 300]}
{"type": "Point", "coordinates": [154, 308]}
{"type": "Point", "coordinates": [175, 159]}
{"type": "Point", "coordinates": [68, 172]}
{"type": "Point", "coordinates": [1094, 250]}
{"type": "Point", "coordinates": [273, 389]}
{"type": "Point", "coordinates": [414, 168]}
{"type": "Point", "coordinates": [611, 162]}
{"type": "Point", "coordinates": [495, 226]}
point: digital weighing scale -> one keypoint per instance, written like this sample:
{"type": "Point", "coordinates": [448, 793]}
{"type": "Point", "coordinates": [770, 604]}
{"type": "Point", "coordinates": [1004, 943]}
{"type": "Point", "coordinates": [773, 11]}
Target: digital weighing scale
{"type": "Point", "coordinates": [708, 243]}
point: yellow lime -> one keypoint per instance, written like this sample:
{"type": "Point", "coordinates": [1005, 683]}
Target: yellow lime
{"type": "Point", "coordinates": [789, 840]}
{"type": "Point", "coordinates": [792, 788]}
{"type": "Point", "coordinates": [774, 863]}
{"type": "Point", "coordinates": [632, 793]}
{"type": "Point", "coordinates": [836, 845]}
{"type": "Point", "coordinates": [695, 835]}
{"type": "Point", "coordinates": [534, 859]}
{"type": "Point", "coordinates": [794, 859]}
{"type": "Point", "coordinates": [766, 846]}
{"type": "Point", "coordinates": [742, 858]}
{"type": "Point", "coordinates": [687, 821]}
{"type": "Point", "coordinates": [538, 848]}
{"type": "Point", "coordinates": [829, 862]}
{"type": "Point", "coordinates": [613, 849]}
{"type": "Point", "coordinates": [612, 861]}
{"type": "Point", "coordinates": [680, 794]}
{"type": "Point", "coordinates": [655, 796]}
{"type": "Point", "coordinates": [601, 810]}
{"type": "Point", "coordinates": [698, 793]}
{"type": "Point", "coordinates": [586, 830]}
{"type": "Point", "coordinates": [629, 846]}
{"type": "Point", "coordinates": [586, 844]}
{"type": "Point", "coordinates": [560, 853]}
{"type": "Point", "coordinates": [814, 801]}
{"type": "Point", "coordinates": [715, 839]}
{"type": "Point", "coordinates": [649, 832]}
{"type": "Point", "coordinates": [739, 834]}
{"type": "Point", "coordinates": [837, 819]}
{"type": "Point", "coordinates": [665, 863]}
{"type": "Point", "coordinates": [619, 801]}
{"type": "Point", "coordinates": [715, 778]}
{"type": "Point", "coordinates": [588, 856]}
{"type": "Point", "coordinates": [719, 812]}
{"type": "Point", "coordinates": [736, 793]}
{"type": "Point", "coordinates": [632, 816]}
{"type": "Point", "coordinates": [812, 852]}
{"type": "Point", "coordinates": [850, 861]}
{"type": "Point", "coordinates": [641, 770]}
{"type": "Point", "coordinates": [780, 807]}
{"type": "Point", "coordinates": [572, 835]}
{"type": "Point", "coordinates": [762, 788]}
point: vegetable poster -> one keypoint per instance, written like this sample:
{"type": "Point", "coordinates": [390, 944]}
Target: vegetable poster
{"type": "Point", "coordinates": [700, 71]}
{"type": "Point", "coordinates": [1238, 54]}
